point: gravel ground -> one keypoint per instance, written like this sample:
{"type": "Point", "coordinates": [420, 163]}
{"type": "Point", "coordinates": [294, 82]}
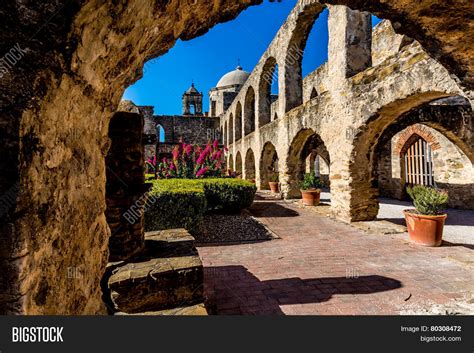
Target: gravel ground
{"type": "Point", "coordinates": [238, 228]}
{"type": "Point", "coordinates": [459, 228]}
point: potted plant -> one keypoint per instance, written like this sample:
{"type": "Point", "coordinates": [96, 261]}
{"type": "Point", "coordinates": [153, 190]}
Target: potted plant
{"type": "Point", "coordinates": [425, 223]}
{"type": "Point", "coordinates": [274, 183]}
{"type": "Point", "coordinates": [310, 189]}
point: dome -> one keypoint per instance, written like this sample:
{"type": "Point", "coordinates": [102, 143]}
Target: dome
{"type": "Point", "coordinates": [236, 77]}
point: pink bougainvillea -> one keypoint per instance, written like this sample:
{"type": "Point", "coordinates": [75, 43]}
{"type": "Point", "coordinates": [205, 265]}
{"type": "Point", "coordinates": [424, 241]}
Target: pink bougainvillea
{"type": "Point", "coordinates": [191, 161]}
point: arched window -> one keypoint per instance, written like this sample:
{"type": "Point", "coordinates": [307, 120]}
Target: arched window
{"type": "Point", "coordinates": [160, 133]}
{"type": "Point", "coordinates": [418, 162]}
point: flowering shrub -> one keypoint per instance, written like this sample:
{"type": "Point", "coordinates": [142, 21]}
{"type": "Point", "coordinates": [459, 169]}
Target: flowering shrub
{"type": "Point", "coordinates": [191, 162]}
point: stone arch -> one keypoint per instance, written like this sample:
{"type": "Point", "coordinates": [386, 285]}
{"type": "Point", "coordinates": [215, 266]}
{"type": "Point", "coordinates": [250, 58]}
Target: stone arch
{"type": "Point", "coordinates": [268, 164]}
{"type": "Point", "coordinates": [238, 122]}
{"type": "Point", "coordinates": [225, 138]}
{"type": "Point", "coordinates": [265, 91]}
{"type": "Point", "coordinates": [314, 93]}
{"type": "Point", "coordinates": [363, 199]}
{"type": "Point", "coordinates": [160, 131]}
{"type": "Point", "coordinates": [294, 55]}
{"type": "Point", "coordinates": [275, 116]}
{"type": "Point", "coordinates": [249, 111]}
{"type": "Point", "coordinates": [304, 143]}
{"type": "Point", "coordinates": [231, 130]}
{"type": "Point", "coordinates": [250, 165]}
{"type": "Point", "coordinates": [413, 132]}
{"type": "Point", "coordinates": [319, 164]}
{"type": "Point", "coordinates": [238, 165]}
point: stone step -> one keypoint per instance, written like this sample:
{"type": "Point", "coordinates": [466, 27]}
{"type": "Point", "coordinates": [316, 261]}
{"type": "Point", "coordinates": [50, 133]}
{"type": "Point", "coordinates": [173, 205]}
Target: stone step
{"type": "Point", "coordinates": [168, 243]}
{"type": "Point", "coordinates": [193, 310]}
{"type": "Point", "coordinates": [157, 284]}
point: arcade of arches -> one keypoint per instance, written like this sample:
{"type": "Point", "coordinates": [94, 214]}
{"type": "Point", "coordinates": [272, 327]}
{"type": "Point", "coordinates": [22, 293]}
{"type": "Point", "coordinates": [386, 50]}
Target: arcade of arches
{"type": "Point", "coordinates": [59, 98]}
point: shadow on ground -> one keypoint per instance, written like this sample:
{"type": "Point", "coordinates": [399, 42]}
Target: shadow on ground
{"type": "Point", "coordinates": [233, 290]}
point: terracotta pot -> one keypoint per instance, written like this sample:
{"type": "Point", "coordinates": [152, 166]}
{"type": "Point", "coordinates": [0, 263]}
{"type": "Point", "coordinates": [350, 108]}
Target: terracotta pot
{"type": "Point", "coordinates": [425, 230]}
{"type": "Point", "coordinates": [274, 186]}
{"type": "Point", "coordinates": [311, 197]}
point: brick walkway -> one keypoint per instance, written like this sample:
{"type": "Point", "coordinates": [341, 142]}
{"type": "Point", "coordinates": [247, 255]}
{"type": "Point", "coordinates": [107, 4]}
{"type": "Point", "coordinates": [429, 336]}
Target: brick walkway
{"type": "Point", "coordinates": [324, 267]}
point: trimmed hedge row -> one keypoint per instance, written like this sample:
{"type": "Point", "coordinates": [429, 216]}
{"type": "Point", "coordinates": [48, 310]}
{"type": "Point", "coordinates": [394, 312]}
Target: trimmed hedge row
{"type": "Point", "coordinates": [182, 203]}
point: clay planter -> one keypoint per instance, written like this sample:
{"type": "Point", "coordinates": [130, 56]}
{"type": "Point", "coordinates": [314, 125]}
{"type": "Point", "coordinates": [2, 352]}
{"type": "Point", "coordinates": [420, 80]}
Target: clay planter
{"type": "Point", "coordinates": [311, 197]}
{"type": "Point", "coordinates": [274, 186]}
{"type": "Point", "coordinates": [425, 230]}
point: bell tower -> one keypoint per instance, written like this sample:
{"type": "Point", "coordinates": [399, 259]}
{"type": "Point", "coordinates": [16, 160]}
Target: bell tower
{"type": "Point", "coordinates": [192, 101]}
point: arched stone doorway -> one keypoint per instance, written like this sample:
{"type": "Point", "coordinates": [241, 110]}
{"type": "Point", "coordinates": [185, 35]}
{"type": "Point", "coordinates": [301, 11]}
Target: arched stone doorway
{"type": "Point", "coordinates": [368, 145]}
{"type": "Point", "coordinates": [305, 143]}
{"type": "Point", "coordinates": [238, 122]}
{"type": "Point", "coordinates": [250, 165]}
{"type": "Point", "coordinates": [238, 165]}
{"type": "Point", "coordinates": [268, 165]}
{"type": "Point", "coordinates": [231, 130]}
{"type": "Point", "coordinates": [265, 97]}
{"type": "Point", "coordinates": [249, 111]}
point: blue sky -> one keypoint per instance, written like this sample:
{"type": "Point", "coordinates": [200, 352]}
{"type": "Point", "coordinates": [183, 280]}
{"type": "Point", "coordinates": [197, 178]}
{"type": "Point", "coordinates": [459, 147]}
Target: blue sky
{"type": "Point", "coordinates": [207, 58]}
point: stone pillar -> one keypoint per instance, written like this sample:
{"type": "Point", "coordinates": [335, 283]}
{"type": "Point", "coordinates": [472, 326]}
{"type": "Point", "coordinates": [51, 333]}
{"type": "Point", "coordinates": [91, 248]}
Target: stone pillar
{"type": "Point", "coordinates": [125, 186]}
{"type": "Point", "coordinates": [350, 37]}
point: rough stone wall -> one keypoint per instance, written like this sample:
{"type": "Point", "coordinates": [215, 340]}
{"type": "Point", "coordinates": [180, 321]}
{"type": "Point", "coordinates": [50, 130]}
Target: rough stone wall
{"type": "Point", "coordinates": [76, 59]}
{"type": "Point", "coordinates": [198, 130]}
{"type": "Point", "coordinates": [125, 186]}
{"type": "Point", "coordinates": [386, 42]}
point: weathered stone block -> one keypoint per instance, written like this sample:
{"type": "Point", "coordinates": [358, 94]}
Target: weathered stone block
{"type": "Point", "coordinates": [157, 284]}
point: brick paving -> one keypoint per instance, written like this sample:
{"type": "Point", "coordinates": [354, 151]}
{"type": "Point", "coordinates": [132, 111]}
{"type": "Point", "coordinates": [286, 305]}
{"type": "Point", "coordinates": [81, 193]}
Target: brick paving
{"type": "Point", "coordinates": [324, 267]}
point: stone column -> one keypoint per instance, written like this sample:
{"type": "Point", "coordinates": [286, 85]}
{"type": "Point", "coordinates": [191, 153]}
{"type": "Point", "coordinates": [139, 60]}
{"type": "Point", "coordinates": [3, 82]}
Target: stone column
{"type": "Point", "coordinates": [350, 38]}
{"type": "Point", "coordinates": [125, 186]}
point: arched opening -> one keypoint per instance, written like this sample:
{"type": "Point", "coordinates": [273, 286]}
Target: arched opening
{"type": "Point", "coordinates": [250, 165]}
{"type": "Point", "coordinates": [238, 165]}
{"type": "Point", "coordinates": [238, 122]}
{"type": "Point", "coordinates": [319, 165]}
{"type": "Point", "coordinates": [422, 155]}
{"type": "Point", "coordinates": [249, 111]}
{"type": "Point", "coordinates": [230, 163]}
{"type": "Point", "coordinates": [294, 56]}
{"type": "Point", "coordinates": [225, 138]}
{"type": "Point", "coordinates": [268, 165]}
{"type": "Point", "coordinates": [375, 140]}
{"type": "Point", "coordinates": [305, 143]}
{"type": "Point", "coordinates": [231, 130]}
{"type": "Point", "coordinates": [160, 133]}
{"type": "Point", "coordinates": [314, 93]}
{"type": "Point", "coordinates": [267, 91]}
{"type": "Point", "coordinates": [417, 163]}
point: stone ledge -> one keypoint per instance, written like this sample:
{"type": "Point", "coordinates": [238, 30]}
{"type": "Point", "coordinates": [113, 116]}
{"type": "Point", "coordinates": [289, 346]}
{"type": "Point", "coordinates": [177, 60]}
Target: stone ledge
{"type": "Point", "coordinates": [193, 310]}
{"type": "Point", "coordinates": [157, 284]}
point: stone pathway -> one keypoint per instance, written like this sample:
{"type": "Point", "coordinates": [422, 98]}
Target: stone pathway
{"type": "Point", "coordinates": [325, 267]}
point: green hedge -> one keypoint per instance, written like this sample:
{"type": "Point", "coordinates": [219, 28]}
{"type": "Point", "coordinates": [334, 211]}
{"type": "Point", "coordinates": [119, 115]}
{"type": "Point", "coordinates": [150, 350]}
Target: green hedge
{"type": "Point", "coordinates": [174, 204]}
{"type": "Point", "coordinates": [182, 203]}
{"type": "Point", "coordinates": [228, 195]}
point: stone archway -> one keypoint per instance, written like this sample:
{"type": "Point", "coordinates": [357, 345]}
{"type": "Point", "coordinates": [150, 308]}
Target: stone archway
{"type": "Point", "coordinates": [249, 111]}
{"type": "Point", "coordinates": [231, 130]}
{"type": "Point", "coordinates": [250, 165]}
{"type": "Point", "coordinates": [268, 164]}
{"type": "Point", "coordinates": [293, 95]}
{"type": "Point", "coordinates": [265, 91]}
{"type": "Point", "coordinates": [362, 167]}
{"type": "Point", "coordinates": [238, 165]}
{"type": "Point", "coordinates": [238, 122]}
{"type": "Point", "coordinates": [448, 131]}
{"type": "Point", "coordinates": [303, 145]}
